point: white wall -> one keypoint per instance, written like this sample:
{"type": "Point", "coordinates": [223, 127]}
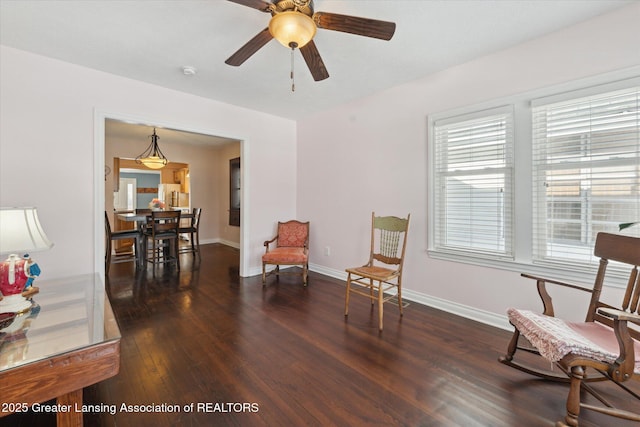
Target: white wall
{"type": "Point", "coordinates": [371, 155]}
{"type": "Point", "coordinates": [47, 110]}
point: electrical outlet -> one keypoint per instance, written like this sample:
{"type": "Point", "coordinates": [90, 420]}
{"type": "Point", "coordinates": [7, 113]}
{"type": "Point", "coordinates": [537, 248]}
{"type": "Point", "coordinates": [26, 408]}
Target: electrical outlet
{"type": "Point", "coordinates": [327, 251]}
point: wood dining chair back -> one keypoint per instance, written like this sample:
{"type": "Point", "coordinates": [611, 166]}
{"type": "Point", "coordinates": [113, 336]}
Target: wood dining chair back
{"type": "Point", "coordinates": [289, 247]}
{"type": "Point", "coordinates": [110, 237]}
{"type": "Point", "coordinates": [604, 347]}
{"type": "Point", "coordinates": [193, 230]}
{"type": "Point", "coordinates": [162, 233]}
{"type": "Point", "coordinates": [142, 224]}
{"type": "Point", "coordinates": [383, 271]}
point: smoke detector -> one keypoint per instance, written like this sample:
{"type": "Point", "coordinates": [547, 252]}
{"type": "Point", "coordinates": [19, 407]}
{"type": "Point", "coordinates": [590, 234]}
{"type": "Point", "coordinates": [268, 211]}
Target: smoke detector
{"type": "Point", "coordinates": [189, 71]}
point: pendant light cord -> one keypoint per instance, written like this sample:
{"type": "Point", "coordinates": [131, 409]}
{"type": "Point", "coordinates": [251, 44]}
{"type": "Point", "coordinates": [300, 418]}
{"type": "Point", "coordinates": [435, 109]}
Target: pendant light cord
{"type": "Point", "coordinates": [293, 82]}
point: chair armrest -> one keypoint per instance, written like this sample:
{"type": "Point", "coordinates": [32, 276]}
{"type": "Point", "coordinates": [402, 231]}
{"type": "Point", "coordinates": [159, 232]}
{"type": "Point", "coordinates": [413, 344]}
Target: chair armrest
{"type": "Point", "coordinates": [556, 282]}
{"type": "Point", "coordinates": [616, 314]}
{"type": "Point", "coordinates": [624, 366]}
{"type": "Point", "coordinates": [547, 302]}
{"type": "Point", "coordinates": [267, 242]}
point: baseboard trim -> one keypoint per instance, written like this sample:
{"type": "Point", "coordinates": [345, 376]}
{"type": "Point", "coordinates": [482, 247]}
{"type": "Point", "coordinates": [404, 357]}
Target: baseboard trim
{"type": "Point", "coordinates": [482, 316]}
{"type": "Point", "coordinates": [234, 245]}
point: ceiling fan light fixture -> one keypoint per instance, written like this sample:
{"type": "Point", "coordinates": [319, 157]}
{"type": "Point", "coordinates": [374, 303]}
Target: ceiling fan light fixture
{"type": "Point", "coordinates": [292, 29]}
{"type": "Point", "coordinates": [152, 157]}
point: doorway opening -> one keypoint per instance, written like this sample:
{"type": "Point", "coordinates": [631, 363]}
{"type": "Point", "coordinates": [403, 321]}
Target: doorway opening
{"type": "Point", "coordinates": [111, 134]}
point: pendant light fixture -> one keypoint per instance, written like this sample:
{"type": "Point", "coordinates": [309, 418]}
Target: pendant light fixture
{"type": "Point", "coordinates": [152, 157]}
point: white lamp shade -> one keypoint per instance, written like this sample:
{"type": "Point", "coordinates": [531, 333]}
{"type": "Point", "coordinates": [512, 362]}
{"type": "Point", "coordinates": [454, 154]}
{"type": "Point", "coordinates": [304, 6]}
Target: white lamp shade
{"type": "Point", "coordinates": [21, 232]}
{"type": "Point", "coordinates": [292, 27]}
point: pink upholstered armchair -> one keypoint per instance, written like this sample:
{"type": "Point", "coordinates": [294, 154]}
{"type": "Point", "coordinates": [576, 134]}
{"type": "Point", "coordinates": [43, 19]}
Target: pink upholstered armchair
{"type": "Point", "coordinates": [291, 248]}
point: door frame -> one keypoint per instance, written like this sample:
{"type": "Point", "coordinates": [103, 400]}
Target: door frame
{"type": "Point", "coordinates": [100, 118]}
{"type": "Point", "coordinates": [135, 186]}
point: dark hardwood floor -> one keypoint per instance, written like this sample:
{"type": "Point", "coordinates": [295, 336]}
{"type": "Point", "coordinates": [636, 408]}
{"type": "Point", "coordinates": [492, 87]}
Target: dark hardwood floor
{"type": "Point", "coordinates": [283, 355]}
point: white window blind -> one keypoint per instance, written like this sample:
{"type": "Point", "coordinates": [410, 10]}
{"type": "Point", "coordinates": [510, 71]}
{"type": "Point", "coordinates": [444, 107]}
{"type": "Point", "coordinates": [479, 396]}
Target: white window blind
{"type": "Point", "coordinates": [473, 184]}
{"type": "Point", "coordinates": [586, 173]}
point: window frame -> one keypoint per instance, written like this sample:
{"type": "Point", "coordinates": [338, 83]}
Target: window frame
{"type": "Point", "coordinates": [574, 152]}
{"type": "Point", "coordinates": [440, 227]}
{"type": "Point", "coordinates": [523, 175]}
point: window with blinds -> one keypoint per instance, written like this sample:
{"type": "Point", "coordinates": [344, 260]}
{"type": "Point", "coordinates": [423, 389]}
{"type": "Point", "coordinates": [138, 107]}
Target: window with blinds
{"type": "Point", "coordinates": [473, 184]}
{"type": "Point", "coordinates": [586, 173]}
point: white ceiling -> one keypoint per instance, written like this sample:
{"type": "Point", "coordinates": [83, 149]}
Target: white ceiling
{"type": "Point", "coordinates": [141, 132]}
{"type": "Point", "coordinates": [152, 40]}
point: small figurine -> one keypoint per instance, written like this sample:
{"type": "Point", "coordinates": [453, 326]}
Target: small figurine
{"type": "Point", "coordinates": [32, 270]}
{"type": "Point", "coordinates": [16, 282]}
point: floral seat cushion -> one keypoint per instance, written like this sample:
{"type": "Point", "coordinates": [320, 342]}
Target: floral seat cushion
{"type": "Point", "coordinates": [285, 255]}
{"type": "Point", "coordinates": [555, 338]}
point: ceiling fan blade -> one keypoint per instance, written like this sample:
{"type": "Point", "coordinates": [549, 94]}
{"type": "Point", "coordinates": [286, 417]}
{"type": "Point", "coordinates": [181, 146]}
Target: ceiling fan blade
{"type": "Point", "coordinates": [261, 5]}
{"type": "Point", "coordinates": [314, 61]}
{"type": "Point", "coordinates": [354, 25]}
{"type": "Point", "coordinates": [251, 47]}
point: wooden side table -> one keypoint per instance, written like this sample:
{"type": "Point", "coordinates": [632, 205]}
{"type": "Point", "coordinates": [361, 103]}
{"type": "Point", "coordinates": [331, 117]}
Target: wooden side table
{"type": "Point", "coordinates": [69, 341]}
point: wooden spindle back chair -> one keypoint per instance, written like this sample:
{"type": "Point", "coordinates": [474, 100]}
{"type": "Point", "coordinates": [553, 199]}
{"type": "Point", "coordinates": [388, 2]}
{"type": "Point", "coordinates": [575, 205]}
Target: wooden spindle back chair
{"type": "Point", "coordinates": [383, 271]}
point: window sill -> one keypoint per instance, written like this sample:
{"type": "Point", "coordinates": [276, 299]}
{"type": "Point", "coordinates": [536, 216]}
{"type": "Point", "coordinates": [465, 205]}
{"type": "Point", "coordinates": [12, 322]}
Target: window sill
{"type": "Point", "coordinates": [573, 274]}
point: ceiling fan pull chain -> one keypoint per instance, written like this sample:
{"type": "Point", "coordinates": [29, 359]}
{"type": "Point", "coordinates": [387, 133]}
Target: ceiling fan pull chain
{"type": "Point", "coordinates": [293, 82]}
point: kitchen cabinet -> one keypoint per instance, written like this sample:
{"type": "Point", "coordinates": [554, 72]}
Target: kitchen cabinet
{"type": "Point", "coordinates": [181, 176]}
{"type": "Point", "coordinates": [116, 174]}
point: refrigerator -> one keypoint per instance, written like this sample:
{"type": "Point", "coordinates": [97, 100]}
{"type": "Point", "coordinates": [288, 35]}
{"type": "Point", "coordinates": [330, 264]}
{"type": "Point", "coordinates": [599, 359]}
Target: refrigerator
{"type": "Point", "coordinates": [173, 197]}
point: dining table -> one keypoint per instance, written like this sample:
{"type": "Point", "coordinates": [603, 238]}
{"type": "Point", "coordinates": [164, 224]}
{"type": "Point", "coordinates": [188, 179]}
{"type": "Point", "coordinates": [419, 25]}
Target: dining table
{"type": "Point", "coordinates": [141, 219]}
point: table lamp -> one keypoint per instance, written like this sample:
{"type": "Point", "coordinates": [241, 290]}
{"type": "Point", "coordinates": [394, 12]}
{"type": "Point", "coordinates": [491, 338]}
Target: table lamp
{"type": "Point", "coordinates": [20, 234]}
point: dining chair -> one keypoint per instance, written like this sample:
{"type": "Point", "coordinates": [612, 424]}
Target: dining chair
{"type": "Point", "coordinates": [383, 271]}
{"type": "Point", "coordinates": [162, 232]}
{"type": "Point", "coordinates": [110, 258]}
{"type": "Point", "coordinates": [143, 211]}
{"type": "Point", "coordinates": [194, 233]}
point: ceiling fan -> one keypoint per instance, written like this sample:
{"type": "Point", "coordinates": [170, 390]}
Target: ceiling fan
{"type": "Point", "coordinates": [293, 23]}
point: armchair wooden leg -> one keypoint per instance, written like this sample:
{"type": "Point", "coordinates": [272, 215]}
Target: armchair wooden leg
{"type": "Point", "coordinates": [305, 271]}
{"type": "Point", "coordinates": [400, 298]}
{"type": "Point", "coordinates": [573, 400]}
{"type": "Point", "coordinates": [264, 274]}
{"type": "Point", "coordinates": [346, 297]}
{"type": "Point", "coordinates": [513, 346]}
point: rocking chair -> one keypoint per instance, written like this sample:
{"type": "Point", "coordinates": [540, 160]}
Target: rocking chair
{"type": "Point", "coordinates": [602, 348]}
